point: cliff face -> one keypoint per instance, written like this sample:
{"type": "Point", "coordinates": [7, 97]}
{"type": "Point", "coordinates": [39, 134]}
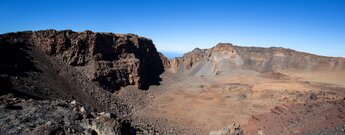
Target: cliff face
{"type": "Point", "coordinates": [112, 60]}
{"type": "Point", "coordinates": [224, 57]}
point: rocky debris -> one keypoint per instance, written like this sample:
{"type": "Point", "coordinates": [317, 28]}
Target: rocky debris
{"type": "Point", "coordinates": [225, 57]}
{"type": "Point", "coordinates": [307, 96]}
{"type": "Point", "coordinates": [59, 117]}
{"type": "Point", "coordinates": [112, 60]}
{"type": "Point", "coordinates": [325, 117]}
{"type": "Point", "coordinates": [233, 129]}
{"type": "Point", "coordinates": [103, 125]}
{"type": "Point", "coordinates": [340, 130]}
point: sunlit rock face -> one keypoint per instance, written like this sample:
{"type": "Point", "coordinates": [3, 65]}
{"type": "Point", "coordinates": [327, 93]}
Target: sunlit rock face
{"type": "Point", "coordinates": [225, 57]}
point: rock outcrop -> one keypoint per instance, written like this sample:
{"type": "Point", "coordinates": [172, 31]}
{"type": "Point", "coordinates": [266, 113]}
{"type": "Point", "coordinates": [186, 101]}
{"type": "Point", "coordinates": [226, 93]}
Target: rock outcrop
{"type": "Point", "coordinates": [233, 129]}
{"type": "Point", "coordinates": [112, 60]}
{"type": "Point", "coordinates": [224, 57]}
{"type": "Point", "coordinates": [165, 61]}
{"type": "Point", "coordinates": [57, 117]}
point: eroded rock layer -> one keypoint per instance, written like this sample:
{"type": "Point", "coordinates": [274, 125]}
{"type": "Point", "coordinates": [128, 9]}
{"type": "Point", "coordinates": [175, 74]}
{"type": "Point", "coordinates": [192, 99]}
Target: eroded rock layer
{"type": "Point", "coordinates": [112, 60]}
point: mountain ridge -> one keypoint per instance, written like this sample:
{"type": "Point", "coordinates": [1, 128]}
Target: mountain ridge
{"type": "Point", "coordinates": [145, 92]}
{"type": "Point", "coordinates": [256, 58]}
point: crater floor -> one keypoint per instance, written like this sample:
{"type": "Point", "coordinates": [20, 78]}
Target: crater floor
{"type": "Point", "coordinates": [203, 104]}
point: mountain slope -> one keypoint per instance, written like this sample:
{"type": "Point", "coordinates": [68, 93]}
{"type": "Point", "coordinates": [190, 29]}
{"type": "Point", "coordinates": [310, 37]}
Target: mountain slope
{"type": "Point", "coordinates": [224, 57]}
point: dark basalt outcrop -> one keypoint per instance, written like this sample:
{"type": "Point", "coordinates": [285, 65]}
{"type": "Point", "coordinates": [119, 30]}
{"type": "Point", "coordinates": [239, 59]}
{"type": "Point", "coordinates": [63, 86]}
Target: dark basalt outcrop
{"type": "Point", "coordinates": [112, 60]}
{"type": "Point", "coordinates": [58, 117]}
{"type": "Point", "coordinates": [225, 57]}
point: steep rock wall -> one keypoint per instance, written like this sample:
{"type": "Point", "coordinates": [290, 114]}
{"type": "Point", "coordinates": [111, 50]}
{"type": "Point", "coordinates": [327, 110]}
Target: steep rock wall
{"type": "Point", "coordinates": [112, 60]}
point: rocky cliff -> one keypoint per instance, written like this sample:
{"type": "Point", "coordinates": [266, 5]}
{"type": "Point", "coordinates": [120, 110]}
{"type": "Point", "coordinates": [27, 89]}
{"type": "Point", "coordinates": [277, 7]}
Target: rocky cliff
{"type": "Point", "coordinates": [224, 57]}
{"type": "Point", "coordinates": [111, 60]}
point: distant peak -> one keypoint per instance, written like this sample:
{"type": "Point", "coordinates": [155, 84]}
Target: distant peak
{"type": "Point", "coordinates": [196, 49]}
{"type": "Point", "coordinates": [224, 44]}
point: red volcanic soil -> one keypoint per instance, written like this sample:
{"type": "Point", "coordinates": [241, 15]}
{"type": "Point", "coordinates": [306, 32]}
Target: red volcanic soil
{"type": "Point", "coordinates": [298, 118]}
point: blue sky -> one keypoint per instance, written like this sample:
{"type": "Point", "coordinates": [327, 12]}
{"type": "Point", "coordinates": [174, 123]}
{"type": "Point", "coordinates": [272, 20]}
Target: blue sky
{"type": "Point", "coordinates": [315, 26]}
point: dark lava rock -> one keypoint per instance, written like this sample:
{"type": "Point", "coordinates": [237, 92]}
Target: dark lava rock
{"type": "Point", "coordinates": [112, 60]}
{"type": "Point", "coordinates": [313, 96]}
{"type": "Point", "coordinates": [57, 117]}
